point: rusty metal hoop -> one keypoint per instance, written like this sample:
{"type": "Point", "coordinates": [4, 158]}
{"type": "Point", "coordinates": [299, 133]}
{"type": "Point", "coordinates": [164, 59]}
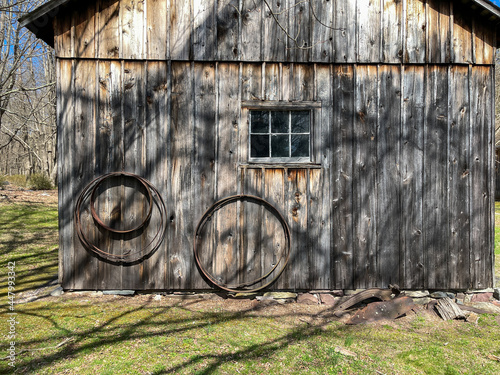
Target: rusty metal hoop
{"type": "Point", "coordinates": [131, 257]}
{"type": "Point", "coordinates": [239, 288]}
{"type": "Point", "coordinates": [101, 222]}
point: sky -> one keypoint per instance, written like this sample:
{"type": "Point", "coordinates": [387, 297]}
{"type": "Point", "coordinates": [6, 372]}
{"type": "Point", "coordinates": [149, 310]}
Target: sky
{"type": "Point", "coordinates": [497, 2]}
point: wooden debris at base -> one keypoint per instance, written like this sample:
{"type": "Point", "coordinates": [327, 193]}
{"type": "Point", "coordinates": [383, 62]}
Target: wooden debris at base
{"type": "Point", "coordinates": [449, 310]}
{"type": "Point", "coordinates": [494, 357]}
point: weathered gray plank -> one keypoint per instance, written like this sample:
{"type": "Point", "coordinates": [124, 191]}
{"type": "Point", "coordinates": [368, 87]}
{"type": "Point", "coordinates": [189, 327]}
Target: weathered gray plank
{"type": "Point", "coordinates": [412, 146]}
{"type": "Point", "coordinates": [392, 31]}
{"type": "Point", "coordinates": [274, 40]}
{"type": "Point", "coordinates": [462, 35]}
{"type": "Point", "coordinates": [299, 29]}
{"type": "Point", "coordinates": [204, 28]}
{"type": "Point", "coordinates": [84, 16]}
{"type": "Point", "coordinates": [157, 29]}
{"type": "Point", "coordinates": [435, 208]}
{"type": "Point", "coordinates": [388, 177]}
{"type": "Point", "coordinates": [181, 225]}
{"type": "Point", "coordinates": [65, 143]}
{"type": "Point", "coordinates": [228, 30]}
{"type": "Point", "coordinates": [480, 199]}
{"type": "Point", "coordinates": [415, 32]}
{"type": "Point", "coordinates": [181, 32]}
{"type": "Point", "coordinates": [459, 174]}
{"type": "Point", "coordinates": [297, 216]}
{"type": "Point", "coordinates": [364, 176]}
{"type": "Point", "coordinates": [109, 29]}
{"type": "Point", "coordinates": [63, 41]}
{"type": "Point", "coordinates": [345, 33]}
{"type": "Point", "coordinates": [368, 30]}
{"type": "Point", "coordinates": [438, 32]}
{"type": "Point", "coordinates": [82, 171]}
{"type": "Point", "coordinates": [303, 88]}
{"type": "Point", "coordinates": [272, 82]}
{"type": "Point", "coordinates": [156, 133]}
{"type": "Point", "coordinates": [251, 29]}
{"type": "Point", "coordinates": [322, 19]}
{"type": "Point", "coordinates": [484, 39]}
{"type": "Point", "coordinates": [342, 176]}
{"type": "Point", "coordinates": [205, 128]}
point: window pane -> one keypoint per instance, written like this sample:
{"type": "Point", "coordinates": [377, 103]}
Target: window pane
{"type": "Point", "coordinates": [260, 121]}
{"type": "Point", "coordinates": [300, 122]}
{"type": "Point", "coordinates": [259, 146]}
{"type": "Point", "coordinates": [279, 121]}
{"type": "Point", "coordinates": [300, 145]}
{"type": "Point", "coordinates": [279, 146]}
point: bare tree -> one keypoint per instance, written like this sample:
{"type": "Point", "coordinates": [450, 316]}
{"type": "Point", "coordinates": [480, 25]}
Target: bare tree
{"type": "Point", "coordinates": [27, 95]}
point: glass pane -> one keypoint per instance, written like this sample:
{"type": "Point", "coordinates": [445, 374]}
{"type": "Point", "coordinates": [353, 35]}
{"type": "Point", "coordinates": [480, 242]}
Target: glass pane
{"type": "Point", "coordinates": [300, 145]}
{"type": "Point", "coordinates": [279, 121]}
{"type": "Point", "coordinates": [279, 146]}
{"type": "Point", "coordinates": [259, 146]}
{"type": "Point", "coordinates": [260, 121]}
{"type": "Point", "coordinates": [300, 122]}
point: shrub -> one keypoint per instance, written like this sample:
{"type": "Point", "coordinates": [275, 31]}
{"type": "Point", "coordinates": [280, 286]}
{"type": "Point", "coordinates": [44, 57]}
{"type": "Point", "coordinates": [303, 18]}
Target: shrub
{"type": "Point", "coordinates": [40, 181]}
{"type": "Point", "coordinates": [3, 181]}
{"type": "Point", "coordinates": [17, 180]}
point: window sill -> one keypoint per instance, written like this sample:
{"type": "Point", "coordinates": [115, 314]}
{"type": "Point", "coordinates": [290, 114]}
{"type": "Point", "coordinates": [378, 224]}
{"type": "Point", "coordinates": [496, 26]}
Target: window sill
{"type": "Point", "coordinates": [276, 165]}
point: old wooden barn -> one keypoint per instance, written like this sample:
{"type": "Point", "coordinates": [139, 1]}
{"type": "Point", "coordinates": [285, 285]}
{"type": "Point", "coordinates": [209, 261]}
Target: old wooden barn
{"type": "Point", "coordinates": [367, 124]}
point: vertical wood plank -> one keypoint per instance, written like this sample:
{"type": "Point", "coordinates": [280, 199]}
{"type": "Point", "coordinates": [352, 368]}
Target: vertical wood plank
{"type": "Point", "coordinates": [156, 132]}
{"type": "Point", "coordinates": [439, 32]}
{"type": "Point", "coordinates": [85, 34]}
{"type": "Point", "coordinates": [480, 201]}
{"type": "Point", "coordinates": [181, 200]}
{"type": "Point", "coordinates": [251, 30]}
{"type": "Point", "coordinates": [204, 29]}
{"type": "Point", "coordinates": [273, 240]}
{"type": "Point", "coordinates": [364, 176]}
{"type": "Point", "coordinates": [180, 30]}
{"type": "Point", "coordinates": [110, 154]}
{"type": "Point", "coordinates": [303, 88]}
{"type": "Point", "coordinates": [65, 143]}
{"type": "Point", "coordinates": [133, 38]}
{"type": "Point", "coordinates": [299, 20]}
{"type": "Point", "coordinates": [109, 29]}
{"type": "Point", "coordinates": [392, 31]}
{"type": "Point", "coordinates": [435, 209]}
{"type": "Point", "coordinates": [251, 86]}
{"type": "Point", "coordinates": [272, 82]}
{"type": "Point", "coordinates": [274, 40]}
{"type": "Point", "coordinates": [297, 220]}
{"type": "Point", "coordinates": [322, 24]}
{"type": "Point", "coordinates": [462, 35]}
{"type": "Point", "coordinates": [412, 176]}
{"type": "Point", "coordinates": [203, 170]}
{"type": "Point", "coordinates": [83, 172]}
{"type": "Point", "coordinates": [342, 177]}
{"type": "Point", "coordinates": [228, 30]}
{"type": "Point", "coordinates": [415, 39]}
{"type": "Point", "coordinates": [484, 43]}
{"type": "Point", "coordinates": [388, 195]}
{"type": "Point", "coordinates": [157, 29]}
{"type": "Point", "coordinates": [320, 200]}
{"type": "Point", "coordinates": [459, 173]}
{"type": "Point", "coordinates": [345, 31]}
{"type": "Point", "coordinates": [62, 36]}
{"type": "Point", "coordinates": [368, 30]}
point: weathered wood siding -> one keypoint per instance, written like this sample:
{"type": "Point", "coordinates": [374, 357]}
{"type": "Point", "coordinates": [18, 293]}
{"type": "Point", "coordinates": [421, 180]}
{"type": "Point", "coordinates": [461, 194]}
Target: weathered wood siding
{"type": "Point", "coordinates": [337, 31]}
{"type": "Point", "coordinates": [399, 190]}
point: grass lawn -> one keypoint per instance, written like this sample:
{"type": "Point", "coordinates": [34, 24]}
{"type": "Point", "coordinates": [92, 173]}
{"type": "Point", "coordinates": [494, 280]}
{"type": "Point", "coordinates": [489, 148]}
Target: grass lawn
{"type": "Point", "coordinates": [91, 334]}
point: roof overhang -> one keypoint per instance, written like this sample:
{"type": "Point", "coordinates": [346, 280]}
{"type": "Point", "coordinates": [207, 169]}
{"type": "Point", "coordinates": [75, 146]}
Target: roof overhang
{"type": "Point", "coordinates": [39, 21]}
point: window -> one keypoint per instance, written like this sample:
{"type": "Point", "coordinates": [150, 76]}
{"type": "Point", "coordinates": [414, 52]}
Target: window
{"type": "Point", "coordinates": [280, 135]}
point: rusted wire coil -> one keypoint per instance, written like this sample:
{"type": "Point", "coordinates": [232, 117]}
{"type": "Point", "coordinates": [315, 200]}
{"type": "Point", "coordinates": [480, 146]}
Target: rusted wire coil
{"type": "Point", "coordinates": [283, 260]}
{"type": "Point", "coordinates": [154, 199]}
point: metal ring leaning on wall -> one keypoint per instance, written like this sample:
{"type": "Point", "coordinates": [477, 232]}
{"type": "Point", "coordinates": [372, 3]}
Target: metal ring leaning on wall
{"type": "Point", "coordinates": [238, 288]}
{"type": "Point", "coordinates": [154, 198]}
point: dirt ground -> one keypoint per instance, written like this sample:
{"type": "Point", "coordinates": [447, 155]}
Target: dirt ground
{"type": "Point", "coordinates": [14, 194]}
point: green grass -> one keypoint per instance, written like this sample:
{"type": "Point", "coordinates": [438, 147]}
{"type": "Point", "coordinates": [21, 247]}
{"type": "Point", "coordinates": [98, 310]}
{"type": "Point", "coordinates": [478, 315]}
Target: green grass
{"type": "Point", "coordinates": [138, 335]}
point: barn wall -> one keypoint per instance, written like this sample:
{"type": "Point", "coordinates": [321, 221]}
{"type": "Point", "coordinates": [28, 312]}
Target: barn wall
{"type": "Point", "coordinates": [338, 31]}
{"type": "Point", "coordinates": [399, 191]}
